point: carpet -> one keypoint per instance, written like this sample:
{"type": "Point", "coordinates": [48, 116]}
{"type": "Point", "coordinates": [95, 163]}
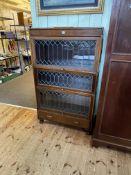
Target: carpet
{"type": "Point", "coordinates": [19, 91]}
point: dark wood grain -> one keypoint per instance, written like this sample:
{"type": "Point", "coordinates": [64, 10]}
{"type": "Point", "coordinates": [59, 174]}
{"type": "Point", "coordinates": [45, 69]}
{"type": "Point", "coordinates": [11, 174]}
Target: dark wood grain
{"type": "Point", "coordinates": [114, 112]}
{"type": "Point", "coordinates": [118, 101]}
{"type": "Point", "coordinates": [122, 39]}
{"type": "Point", "coordinates": [64, 119]}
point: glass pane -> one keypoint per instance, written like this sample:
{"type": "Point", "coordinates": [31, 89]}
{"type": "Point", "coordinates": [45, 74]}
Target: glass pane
{"type": "Point", "coordinates": [73, 53]}
{"type": "Point", "coordinates": [69, 103]}
{"type": "Point", "coordinates": [57, 4]}
{"type": "Point", "coordinates": [68, 80]}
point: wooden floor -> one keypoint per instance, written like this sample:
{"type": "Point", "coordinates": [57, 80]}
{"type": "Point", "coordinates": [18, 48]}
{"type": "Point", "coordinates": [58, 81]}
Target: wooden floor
{"type": "Point", "coordinates": [30, 148]}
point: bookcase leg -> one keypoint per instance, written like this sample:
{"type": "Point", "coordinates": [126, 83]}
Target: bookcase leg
{"type": "Point", "coordinates": [88, 131]}
{"type": "Point", "coordinates": [41, 119]}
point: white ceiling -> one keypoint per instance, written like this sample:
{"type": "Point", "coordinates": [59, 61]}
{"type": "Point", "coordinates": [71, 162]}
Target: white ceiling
{"type": "Point", "coordinates": [19, 5]}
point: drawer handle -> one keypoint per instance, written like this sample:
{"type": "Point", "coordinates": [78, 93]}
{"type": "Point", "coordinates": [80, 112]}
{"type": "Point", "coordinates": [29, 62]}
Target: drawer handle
{"type": "Point", "coordinates": [76, 122]}
{"type": "Point", "coordinates": [63, 32]}
{"type": "Point", "coordinates": [49, 116]}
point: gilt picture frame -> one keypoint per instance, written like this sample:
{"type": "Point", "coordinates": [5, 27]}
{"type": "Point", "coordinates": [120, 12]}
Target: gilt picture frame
{"type": "Point", "coordinates": [64, 7]}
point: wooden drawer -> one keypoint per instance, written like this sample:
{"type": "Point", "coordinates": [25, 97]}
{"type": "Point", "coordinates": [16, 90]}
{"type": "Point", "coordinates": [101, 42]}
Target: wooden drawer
{"type": "Point", "coordinates": [74, 121]}
{"type": "Point", "coordinates": [68, 32]}
{"type": "Point", "coordinates": [48, 115]}
{"type": "Point", "coordinates": [63, 118]}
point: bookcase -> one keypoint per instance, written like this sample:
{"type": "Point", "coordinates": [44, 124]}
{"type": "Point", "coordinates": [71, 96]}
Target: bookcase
{"type": "Point", "coordinates": [66, 64]}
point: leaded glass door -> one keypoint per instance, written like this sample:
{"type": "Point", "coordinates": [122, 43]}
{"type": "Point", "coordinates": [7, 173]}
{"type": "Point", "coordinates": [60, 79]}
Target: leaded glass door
{"type": "Point", "coordinates": [65, 102]}
{"type": "Point", "coordinates": [68, 80]}
{"type": "Point", "coordinates": [71, 53]}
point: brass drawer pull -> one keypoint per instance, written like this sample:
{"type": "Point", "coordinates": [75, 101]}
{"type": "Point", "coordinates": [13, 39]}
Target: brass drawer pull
{"type": "Point", "coordinates": [76, 122]}
{"type": "Point", "coordinates": [63, 32]}
{"type": "Point", "coordinates": [49, 116]}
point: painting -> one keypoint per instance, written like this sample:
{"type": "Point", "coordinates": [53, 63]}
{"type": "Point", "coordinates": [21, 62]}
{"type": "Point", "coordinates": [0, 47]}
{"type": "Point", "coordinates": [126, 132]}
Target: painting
{"type": "Point", "coordinates": [59, 7]}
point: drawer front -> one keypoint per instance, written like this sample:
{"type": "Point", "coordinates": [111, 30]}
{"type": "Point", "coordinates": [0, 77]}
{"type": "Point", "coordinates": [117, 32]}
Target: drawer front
{"type": "Point", "coordinates": [64, 119]}
{"type": "Point", "coordinates": [78, 122]}
{"type": "Point", "coordinates": [68, 103]}
{"type": "Point", "coordinates": [48, 115]}
{"type": "Point", "coordinates": [68, 80]}
{"type": "Point", "coordinates": [59, 32]}
{"type": "Point", "coordinates": [74, 53]}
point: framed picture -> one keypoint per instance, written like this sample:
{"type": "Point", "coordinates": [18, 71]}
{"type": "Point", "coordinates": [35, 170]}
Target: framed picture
{"type": "Point", "coordinates": [61, 7]}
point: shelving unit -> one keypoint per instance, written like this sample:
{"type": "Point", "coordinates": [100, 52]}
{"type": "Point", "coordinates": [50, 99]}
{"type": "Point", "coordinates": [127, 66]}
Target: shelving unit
{"type": "Point", "coordinates": [2, 19]}
{"type": "Point", "coordinates": [8, 62]}
{"type": "Point", "coordinates": [27, 56]}
{"type": "Point", "coordinates": [66, 64]}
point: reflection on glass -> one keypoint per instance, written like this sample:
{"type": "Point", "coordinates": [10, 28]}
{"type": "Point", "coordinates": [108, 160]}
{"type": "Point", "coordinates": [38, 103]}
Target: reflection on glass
{"type": "Point", "coordinates": [80, 54]}
{"type": "Point", "coordinates": [67, 80]}
{"type": "Point", "coordinates": [69, 103]}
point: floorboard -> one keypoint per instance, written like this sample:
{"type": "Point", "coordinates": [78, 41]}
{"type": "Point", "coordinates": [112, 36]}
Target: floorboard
{"type": "Point", "coordinates": [30, 148]}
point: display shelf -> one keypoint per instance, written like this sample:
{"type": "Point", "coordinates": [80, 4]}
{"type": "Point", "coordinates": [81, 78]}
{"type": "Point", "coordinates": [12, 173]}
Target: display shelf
{"type": "Point", "coordinates": [22, 40]}
{"type": "Point", "coordinates": [27, 61]}
{"type": "Point", "coordinates": [5, 18]}
{"type": "Point", "coordinates": [10, 61]}
{"type": "Point", "coordinates": [16, 39]}
{"type": "Point", "coordinates": [4, 79]}
{"type": "Point", "coordinates": [6, 38]}
{"type": "Point", "coordinates": [17, 25]}
{"type": "Point", "coordinates": [8, 57]}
